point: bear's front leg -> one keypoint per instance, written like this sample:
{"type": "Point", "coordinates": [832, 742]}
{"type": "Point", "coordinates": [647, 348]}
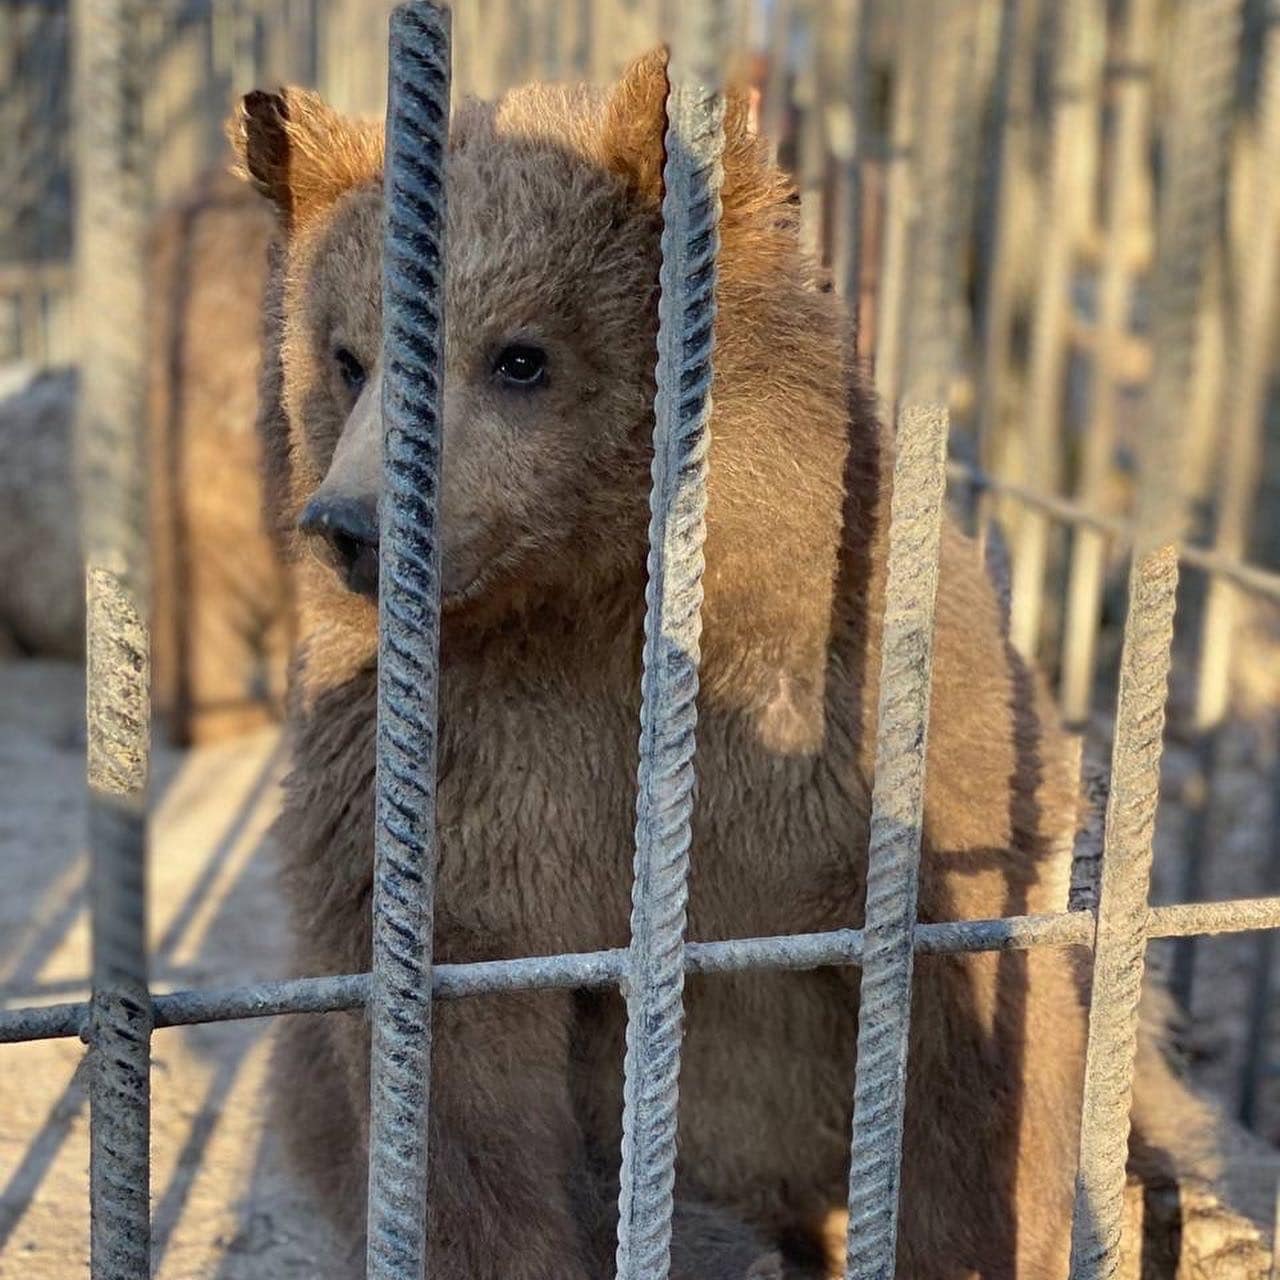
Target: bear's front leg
{"type": "Point", "coordinates": [505, 1145]}
{"type": "Point", "coordinates": [512, 1194]}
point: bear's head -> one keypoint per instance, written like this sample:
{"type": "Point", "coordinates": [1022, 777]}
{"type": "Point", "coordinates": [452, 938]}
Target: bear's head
{"type": "Point", "coordinates": [553, 250]}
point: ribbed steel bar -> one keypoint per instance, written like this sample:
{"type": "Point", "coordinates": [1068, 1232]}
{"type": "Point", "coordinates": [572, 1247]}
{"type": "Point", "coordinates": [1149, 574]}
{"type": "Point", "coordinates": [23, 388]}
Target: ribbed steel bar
{"type": "Point", "coordinates": [409, 637]}
{"type": "Point", "coordinates": [668, 714]}
{"type": "Point", "coordinates": [897, 802]}
{"type": "Point", "coordinates": [897, 820]}
{"type": "Point", "coordinates": [1120, 942]}
{"type": "Point", "coordinates": [1124, 187]}
{"type": "Point", "coordinates": [595, 969]}
{"type": "Point", "coordinates": [1189, 213]}
{"type": "Point", "coordinates": [112, 454]}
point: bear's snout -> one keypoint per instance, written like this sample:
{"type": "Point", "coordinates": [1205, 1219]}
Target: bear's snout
{"type": "Point", "coordinates": [343, 533]}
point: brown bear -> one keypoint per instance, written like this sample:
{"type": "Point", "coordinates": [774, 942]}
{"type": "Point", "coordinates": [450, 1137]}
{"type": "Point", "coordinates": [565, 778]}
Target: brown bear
{"type": "Point", "coordinates": [221, 631]}
{"type": "Point", "coordinates": [221, 617]}
{"type": "Point", "coordinates": [553, 251]}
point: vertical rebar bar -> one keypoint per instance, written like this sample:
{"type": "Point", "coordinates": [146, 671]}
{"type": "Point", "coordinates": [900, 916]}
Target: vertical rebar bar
{"type": "Point", "coordinates": [1120, 938]}
{"type": "Point", "coordinates": [668, 715]}
{"type": "Point", "coordinates": [896, 832]}
{"type": "Point", "coordinates": [113, 191]}
{"type": "Point", "coordinates": [897, 802]}
{"type": "Point", "coordinates": [1189, 215]}
{"type": "Point", "coordinates": [408, 637]}
{"type": "Point", "coordinates": [1125, 174]}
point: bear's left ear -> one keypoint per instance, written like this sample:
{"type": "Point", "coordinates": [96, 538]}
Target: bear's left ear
{"type": "Point", "coordinates": [300, 153]}
{"type": "Point", "coordinates": [636, 123]}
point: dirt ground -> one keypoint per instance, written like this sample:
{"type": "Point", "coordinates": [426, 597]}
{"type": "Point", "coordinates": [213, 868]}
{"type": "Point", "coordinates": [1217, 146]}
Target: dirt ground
{"type": "Point", "coordinates": [223, 1209]}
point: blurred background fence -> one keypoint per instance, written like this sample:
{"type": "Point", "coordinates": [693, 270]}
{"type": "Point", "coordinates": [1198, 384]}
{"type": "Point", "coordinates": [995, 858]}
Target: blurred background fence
{"type": "Point", "coordinates": [1053, 182]}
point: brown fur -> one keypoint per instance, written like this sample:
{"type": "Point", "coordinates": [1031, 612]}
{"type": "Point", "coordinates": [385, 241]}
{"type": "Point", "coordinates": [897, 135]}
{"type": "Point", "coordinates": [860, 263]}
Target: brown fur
{"type": "Point", "coordinates": [553, 235]}
{"type": "Point", "coordinates": [221, 633]}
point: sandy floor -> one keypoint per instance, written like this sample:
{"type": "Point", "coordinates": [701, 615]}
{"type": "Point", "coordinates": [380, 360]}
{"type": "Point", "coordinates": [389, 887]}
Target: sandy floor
{"type": "Point", "coordinates": [222, 1210]}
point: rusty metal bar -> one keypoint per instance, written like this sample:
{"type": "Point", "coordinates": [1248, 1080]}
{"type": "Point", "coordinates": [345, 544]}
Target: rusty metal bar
{"type": "Point", "coordinates": [112, 455]}
{"type": "Point", "coordinates": [669, 687]}
{"type": "Point", "coordinates": [597, 969]}
{"type": "Point", "coordinates": [1189, 211]}
{"type": "Point", "coordinates": [1125, 173]}
{"type": "Point", "coordinates": [409, 638]}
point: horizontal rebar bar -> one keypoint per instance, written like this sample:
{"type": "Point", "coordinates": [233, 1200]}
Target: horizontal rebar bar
{"type": "Point", "coordinates": [592, 969]}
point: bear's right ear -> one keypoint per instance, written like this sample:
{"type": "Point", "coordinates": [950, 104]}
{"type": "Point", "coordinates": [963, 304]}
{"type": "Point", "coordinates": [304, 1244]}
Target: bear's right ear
{"type": "Point", "coordinates": [635, 124]}
{"type": "Point", "coordinates": [634, 140]}
{"type": "Point", "coordinates": [300, 153]}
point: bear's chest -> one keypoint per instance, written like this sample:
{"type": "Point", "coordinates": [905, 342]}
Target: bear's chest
{"type": "Point", "coordinates": [535, 813]}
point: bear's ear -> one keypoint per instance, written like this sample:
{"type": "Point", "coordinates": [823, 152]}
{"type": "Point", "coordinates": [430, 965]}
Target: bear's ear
{"type": "Point", "coordinates": [300, 153]}
{"type": "Point", "coordinates": [636, 124]}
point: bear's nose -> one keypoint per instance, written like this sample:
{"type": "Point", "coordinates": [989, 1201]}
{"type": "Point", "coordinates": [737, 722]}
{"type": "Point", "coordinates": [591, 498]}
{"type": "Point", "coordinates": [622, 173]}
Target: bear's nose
{"type": "Point", "coordinates": [344, 535]}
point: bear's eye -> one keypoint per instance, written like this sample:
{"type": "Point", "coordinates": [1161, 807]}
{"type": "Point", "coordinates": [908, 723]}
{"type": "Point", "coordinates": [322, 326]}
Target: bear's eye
{"type": "Point", "coordinates": [521, 365]}
{"type": "Point", "coordinates": [350, 370]}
